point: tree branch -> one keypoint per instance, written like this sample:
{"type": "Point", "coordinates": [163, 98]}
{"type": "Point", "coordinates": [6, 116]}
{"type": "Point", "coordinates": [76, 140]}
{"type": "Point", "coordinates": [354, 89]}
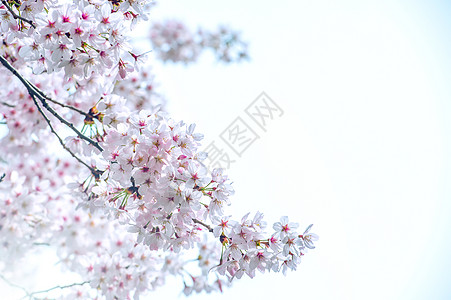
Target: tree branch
{"type": "Point", "coordinates": [70, 125]}
{"type": "Point", "coordinates": [7, 104]}
{"type": "Point", "coordinates": [203, 224]}
{"type": "Point", "coordinates": [30, 295]}
{"type": "Point", "coordinates": [93, 171]}
{"type": "Point", "coordinates": [34, 91]}
{"type": "Point", "coordinates": [56, 102]}
{"type": "Point", "coordinates": [14, 285]}
{"type": "Point", "coordinates": [16, 16]}
{"type": "Point", "coordinates": [67, 106]}
{"type": "Point", "coordinates": [58, 287]}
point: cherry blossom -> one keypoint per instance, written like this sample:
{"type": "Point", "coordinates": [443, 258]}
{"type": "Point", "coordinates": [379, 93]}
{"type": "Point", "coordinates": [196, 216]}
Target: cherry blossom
{"type": "Point", "coordinates": [173, 41]}
{"type": "Point", "coordinates": [94, 166]}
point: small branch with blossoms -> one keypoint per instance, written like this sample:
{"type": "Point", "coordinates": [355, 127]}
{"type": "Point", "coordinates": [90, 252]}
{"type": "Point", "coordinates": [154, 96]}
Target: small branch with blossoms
{"type": "Point", "coordinates": [169, 180]}
{"type": "Point", "coordinates": [16, 16]}
{"type": "Point", "coordinates": [150, 198]}
{"type": "Point", "coordinates": [203, 224]}
{"type": "Point", "coordinates": [93, 171]}
{"type": "Point", "coordinates": [70, 125]}
{"type": "Point", "coordinates": [67, 106]}
{"type": "Point", "coordinates": [38, 90]}
{"type": "Point", "coordinates": [173, 41]}
{"type": "Point", "coordinates": [33, 91]}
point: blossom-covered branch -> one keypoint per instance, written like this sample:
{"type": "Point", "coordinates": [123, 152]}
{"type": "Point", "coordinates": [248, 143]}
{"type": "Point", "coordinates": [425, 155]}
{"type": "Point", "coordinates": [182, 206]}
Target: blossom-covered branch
{"type": "Point", "coordinates": [36, 93]}
{"type": "Point", "coordinates": [173, 41]}
{"type": "Point", "coordinates": [16, 16]}
{"type": "Point", "coordinates": [203, 224]}
{"type": "Point", "coordinates": [93, 171]}
{"type": "Point", "coordinates": [139, 199]}
{"type": "Point", "coordinates": [68, 106]}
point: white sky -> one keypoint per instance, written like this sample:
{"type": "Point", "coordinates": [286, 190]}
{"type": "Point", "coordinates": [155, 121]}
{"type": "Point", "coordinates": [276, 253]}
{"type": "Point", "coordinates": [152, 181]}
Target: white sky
{"type": "Point", "coordinates": [362, 150]}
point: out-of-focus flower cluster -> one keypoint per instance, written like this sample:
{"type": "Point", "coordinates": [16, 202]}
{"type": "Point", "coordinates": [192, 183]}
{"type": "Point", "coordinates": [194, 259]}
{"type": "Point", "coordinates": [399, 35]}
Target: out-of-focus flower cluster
{"type": "Point", "coordinates": [142, 89]}
{"type": "Point", "coordinates": [173, 41]}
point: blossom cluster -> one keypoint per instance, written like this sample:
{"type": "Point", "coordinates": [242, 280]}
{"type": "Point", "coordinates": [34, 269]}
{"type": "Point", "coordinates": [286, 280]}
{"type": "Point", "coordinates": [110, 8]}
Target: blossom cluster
{"type": "Point", "coordinates": [94, 166]}
{"type": "Point", "coordinates": [83, 38]}
{"type": "Point", "coordinates": [151, 203]}
{"type": "Point", "coordinates": [37, 212]}
{"type": "Point", "coordinates": [173, 41]}
{"type": "Point", "coordinates": [154, 181]}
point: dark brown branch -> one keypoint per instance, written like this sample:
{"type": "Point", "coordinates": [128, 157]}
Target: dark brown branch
{"type": "Point", "coordinates": [67, 106]}
{"type": "Point", "coordinates": [7, 104]}
{"type": "Point", "coordinates": [40, 93]}
{"type": "Point", "coordinates": [36, 92]}
{"type": "Point", "coordinates": [16, 16]}
{"type": "Point", "coordinates": [59, 138]}
{"type": "Point", "coordinates": [56, 102]}
{"type": "Point", "coordinates": [203, 224]}
{"type": "Point", "coordinates": [68, 124]}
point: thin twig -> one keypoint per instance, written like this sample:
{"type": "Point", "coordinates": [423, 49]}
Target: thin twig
{"type": "Point", "coordinates": [70, 125]}
{"type": "Point", "coordinates": [203, 224]}
{"type": "Point", "coordinates": [58, 287]}
{"type": "Point", "coordinates": [37, 90]}
{"type": "Point", "coordinates": [56, 102]}
{"type": "Point", "coordinates": [16, 16]}
{"type": "Point", "coordinates": [34, 91]}
{"type": "Point", "coordinates": [7, 104]}
{"type": "Point", "coordinates": [68, 106]}
{"type": "Point", "coordinates": [59, 138]}
{"type": "Point", "coordinates": [14, 285]}
{"type": "Point", "coordinates": [41, 244]}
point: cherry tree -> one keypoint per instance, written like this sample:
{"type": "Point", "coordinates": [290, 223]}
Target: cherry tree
{"type": "Point", "coordinates": [93, 165]}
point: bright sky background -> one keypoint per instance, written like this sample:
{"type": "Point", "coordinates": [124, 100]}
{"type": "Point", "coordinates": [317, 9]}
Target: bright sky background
{"type": "Point", "coordinates": [362, 150]}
